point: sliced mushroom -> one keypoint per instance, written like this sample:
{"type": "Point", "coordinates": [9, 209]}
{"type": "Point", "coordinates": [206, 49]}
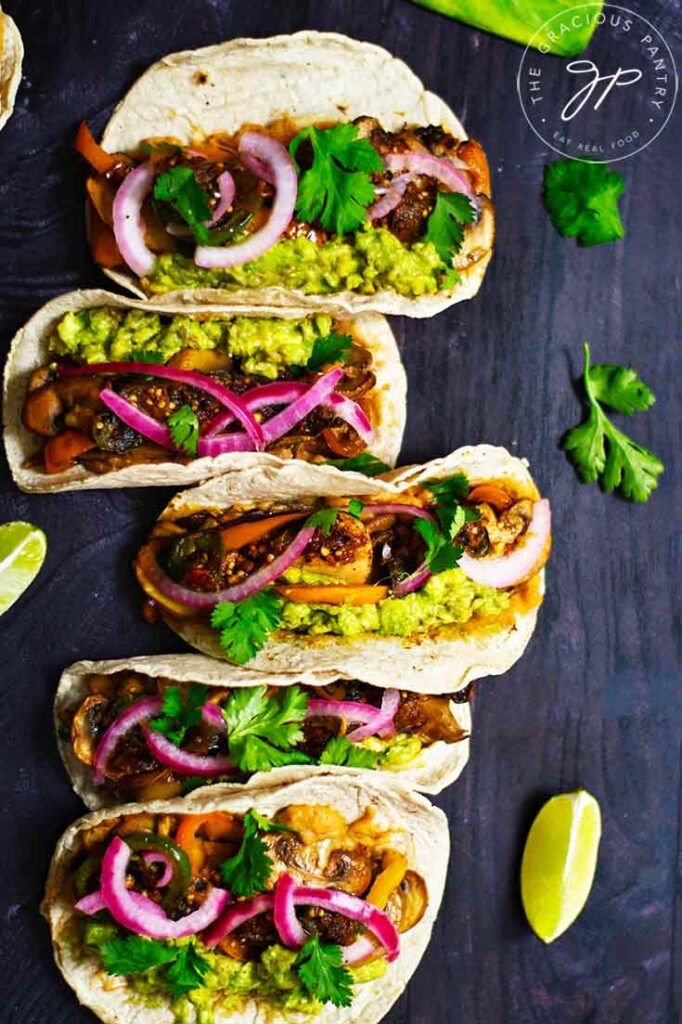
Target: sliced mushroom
{"type": "Point", "coordinates": [407, 904]}
{"type": "Point", "coordinates": [514, 522]}
{"type": "Point", "coordinates": [314, 863]}
{"type": "Point", "coordinates": [83, 727]}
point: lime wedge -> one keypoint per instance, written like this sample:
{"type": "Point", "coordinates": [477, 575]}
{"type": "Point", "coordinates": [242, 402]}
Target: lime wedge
{"type": "Point", "coordinates": [22, 553]}
{"type": "Point", "coordinates": [559, 862]}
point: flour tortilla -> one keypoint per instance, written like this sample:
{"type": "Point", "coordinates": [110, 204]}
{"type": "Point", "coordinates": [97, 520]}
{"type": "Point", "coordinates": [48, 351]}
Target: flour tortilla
{"type": "Point", "coordinates": [437, 766]}
{"type": "Point", "coordinates": [422, 835]}
{"type": "Point", "coordinates": [29, 351]}
{"type": "Point", "coordinates": [443, 661]}
{"type": "Point", "coordinates": [11, 57]}
{"type": "Point", "coordinates": [308, 77]}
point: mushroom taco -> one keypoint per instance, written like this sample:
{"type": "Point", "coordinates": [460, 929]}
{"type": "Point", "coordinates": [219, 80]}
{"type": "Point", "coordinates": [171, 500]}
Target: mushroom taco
{"type": "Point", "coordinates": [159, 727]}
{"type": "Point", "coordinates": [305, 568]}
{"type": "Point", "coordinates": [103, 391]}
{"type": "Point", "coordinates": [315, 899]}
{"type": "Point", "coordinates": [11, 57]}
{"type": "Point", "coordinates": [307, 170]}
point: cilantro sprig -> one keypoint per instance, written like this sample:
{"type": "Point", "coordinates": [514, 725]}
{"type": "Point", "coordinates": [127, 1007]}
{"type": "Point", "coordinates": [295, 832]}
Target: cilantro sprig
{"type": "Point", "coordinates": [332, 348]}
{"type": "Point", "coordinates": [320, 968]}
{"type": "Point", "coordinates": [581, 199]}
{"type": "Point", "coordinates": [184, 429]}
{"type": "Point", "coordinates": [442, 553]}
{"type": "Point", "coordinates": [134, 954]}
{"type": "Point", "coordinates": [445, 227]}
{"type": "Point", "coordinates": [245, 626]}
{"type": "Point", "coordinates": [337, 189]}
{"type": "Point", "coordinates": [180, 711]}
{"type": "Point", "coordinates": [179, 187]}
{"type": "Point", "coordinates": [248, 871]}
{"type": "Point", "coordinates": [597, 449]}
{"type": "Point", "coordinates": [340, 750]}
{"type": "Point", "coordinates": [262, 730]}
{"type": "Point", "coordinates": [364, 463]}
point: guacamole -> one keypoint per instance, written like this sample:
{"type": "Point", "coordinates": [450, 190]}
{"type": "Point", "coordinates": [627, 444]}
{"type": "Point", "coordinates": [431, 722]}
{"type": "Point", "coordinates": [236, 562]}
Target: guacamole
{"type": "Point", "coordinates": [367, 261]}
{"type": "Point", "coordinates": [262, 345]}
{"type": "Point", "coordinates": [449, 598]}
{"type": "Point", "coordinates": [226, 984]}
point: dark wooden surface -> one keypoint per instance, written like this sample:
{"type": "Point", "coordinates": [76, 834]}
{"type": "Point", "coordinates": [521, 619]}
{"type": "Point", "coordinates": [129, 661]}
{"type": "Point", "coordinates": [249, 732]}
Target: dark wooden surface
{"type": "Point", "coordinates": [595, 701]}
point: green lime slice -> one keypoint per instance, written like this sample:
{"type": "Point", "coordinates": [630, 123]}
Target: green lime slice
{"type": "Point", "coordinates": [22, 553]}
{"type": "Point", "coordinates": [559, 862]}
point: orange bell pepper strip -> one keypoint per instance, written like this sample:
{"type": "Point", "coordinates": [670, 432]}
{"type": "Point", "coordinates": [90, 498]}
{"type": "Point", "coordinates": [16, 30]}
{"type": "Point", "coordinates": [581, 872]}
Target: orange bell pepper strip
{"type": "Point", "coordinates": [93, 152]}
{"type": "Point", "coordinates": [492, 494]}
{"type": "Point", "coordinates": [216, 825]}
{"type": "Point", "coordinates": [393, 870]}
{"type": "Point", "coordinates": [333, 594]}
{"type": "Point", "coordinates": [60, 452]}
{"type": "Point", "coordinates": [241, 534]}
{"type": "Point", "coordinates": [105, 251]}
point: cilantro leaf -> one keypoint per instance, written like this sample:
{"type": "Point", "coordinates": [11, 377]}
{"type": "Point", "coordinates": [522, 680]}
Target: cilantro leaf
{"type": "Point", "coordinates": [581, 199]}
{"type": "Point", "coordinates": [193, 782]}
{"type": "Point", "coordinates": [598, 450]}
{"type": "Point", "coordinates": [355, 507]}
{"type": "Point", "coordinates": [143, 355]}
{"type": "Point", "coordinates": [181, 710]}
{"type": "Point", "coordinates": [187, 972]}
{"type": "Point", "coordinates": [337, 189]}
{"type": "Point", "coordinates": [332, 348]}
{"type": "Point", "coordinates": [452, 488]}
{"type": "Point", "coordinates": [256, 755]}
{"type": "Point", "coordinates": [323, 519]}
{"type": "Point", "coordinates": [621, 388]}
{"type": "Point", "coordinates": [135, 954]}
{"type": "Point", "coordinates": [246, 625]}
{"type": "Point", "coordinates": [364, 463]}
{"type": "Point", "coordinates": [441, 554]}
{"type": "Point", "coordinates": [248, 871]}
{"type": "Point", "coordinates": [184, 429]}
{"type": "Point", "coordinates": [262, 729]}
{"type": "Point", "coordinates": [445, 226]}
{"type": "Point", "coordinates": [340, 750]}
{"type": "Point", "coordinates": [179, 187]}
{"type": "Point", "coordinates": [320, 969]}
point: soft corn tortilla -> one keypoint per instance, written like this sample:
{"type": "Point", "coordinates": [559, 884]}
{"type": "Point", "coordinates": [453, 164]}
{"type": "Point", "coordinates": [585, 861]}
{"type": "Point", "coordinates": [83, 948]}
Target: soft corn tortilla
{"type": "Point", "coordinates": [29, 351]}
{"type": "Point", "coordinates": [308, 77]}
{"type": "Point", "coordinates": [437, 766]}
{"type": "Point", "coordinates": [442, 661]}
{"type": "Point", "coordinates": [422, 834]}
{"type": "Point", "coordinates": [11, 56]}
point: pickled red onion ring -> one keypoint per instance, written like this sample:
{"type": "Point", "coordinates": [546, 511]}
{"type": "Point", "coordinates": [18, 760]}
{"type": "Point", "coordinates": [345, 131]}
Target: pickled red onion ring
{"type": "Point", "coordinates": [227, 189]}
{"type": "Point", "coordinates": [127, 219]}
{"type": "Point", "coordinates": [522, 561]}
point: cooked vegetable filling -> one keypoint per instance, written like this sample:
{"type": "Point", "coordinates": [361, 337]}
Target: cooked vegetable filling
{"type": "Point", "coordinates": [212, 909]}
{"type": "Point", "coordinates": [192, 735]}
{"type": "Point", "coordinates": [440, 556]}
{"type": "Point", "coordinates": [127, 388]}
{"type": "Point", "coordinates": [324, 209]}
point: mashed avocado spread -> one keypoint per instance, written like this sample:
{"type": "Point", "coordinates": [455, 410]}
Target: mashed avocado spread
{"type": "Point", "coordinates": [449, 598]}
{"type": "Point", "coordinates": [367, 261]}
{"type": "Point", "coordinates": [262, 346]}
{"type": "Point", "coordinates": [227, 984]}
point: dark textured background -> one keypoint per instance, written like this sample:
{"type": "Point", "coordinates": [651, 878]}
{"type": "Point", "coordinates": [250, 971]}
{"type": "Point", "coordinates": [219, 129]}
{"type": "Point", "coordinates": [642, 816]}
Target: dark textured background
{"type": "Point", "coordinates": [595, 701]}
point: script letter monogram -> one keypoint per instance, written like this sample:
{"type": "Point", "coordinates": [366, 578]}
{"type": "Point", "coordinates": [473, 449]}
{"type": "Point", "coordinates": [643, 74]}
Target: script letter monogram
{"type": "Point", "coordinates": [621, 77]}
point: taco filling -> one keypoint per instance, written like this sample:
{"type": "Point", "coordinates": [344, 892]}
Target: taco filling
{"type": "Point", "coordinates": [325, 209]}
{"type": "Point", "coordinates": [147, 738]}
{"type": "Point", "coordinates": [129, 387]}
{"type": "Point", "coordinates": [207, 911]}
{"type": "Point", "coordinates": [444, 556]}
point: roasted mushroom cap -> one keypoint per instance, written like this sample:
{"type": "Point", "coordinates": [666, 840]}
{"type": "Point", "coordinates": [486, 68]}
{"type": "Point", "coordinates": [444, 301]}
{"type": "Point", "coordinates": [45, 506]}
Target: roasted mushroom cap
{"type": "Point", "coordinates": [408, 902]}
{"type": "Point", "coordinates": [314, 864]}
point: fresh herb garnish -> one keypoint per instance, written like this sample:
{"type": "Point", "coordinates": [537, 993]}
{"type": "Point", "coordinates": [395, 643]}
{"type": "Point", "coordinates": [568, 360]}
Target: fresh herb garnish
{"type": "Point", "coordinates": [262, 730]}
{"type": "Point", "coordinates": [364, 463]}
{"type": "Point", "coordinates": [323, 519]}
{"type": "Point", "coordinates": [136, 954]}
{"type": "Point", "coordinates": [332, 348]}
{"type": "Point", "coordinates": [445, 226]}
{"type": "Point", "coordinates": [143, 355]}
{"type": "Point", "coordinates": [320, 969]}
{"type": "Point", "coordinates": [184, 429]}
{"type": "Point", "coordinates": [581, 199]}
{"type": "Point", "coordinates": [337, 189]}
{"type": "Point", "coordinates": [181, 710]}
{"type": "Point", "coordinates": [248, 871]}
{"type": "Point", "coordinates": [441, 551]}
{"type": "Point", "coordinates": [246, 625]}
{"type": "Point", "coordinates": [179, 187]}
{"type": "Point", "coordinates": [355, 507]}
{"type": "Point", "coordinates": [599, 450]}
{"type": "Point", "coordinates": [340, 750]}
{"type": "Point", "coordinates": [193, 782]}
